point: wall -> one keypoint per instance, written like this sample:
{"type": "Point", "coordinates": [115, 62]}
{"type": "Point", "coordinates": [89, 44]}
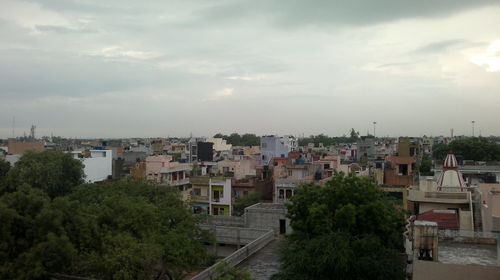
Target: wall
{"type": "Point", "coordinates": [18, 148]}
{"type": "Point", "coordinates": [266, 216]}
{"type": "Point", "coordinates": [98, 168]}
{"type": "Point", "coordinates": [427, 270]}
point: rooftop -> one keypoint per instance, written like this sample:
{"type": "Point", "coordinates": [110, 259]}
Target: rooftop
{"type": "Point", "coordinates": [459, 253]}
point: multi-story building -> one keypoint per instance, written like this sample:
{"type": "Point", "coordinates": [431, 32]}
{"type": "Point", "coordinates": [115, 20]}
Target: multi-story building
{"type": "Point", "coordinates": [275, 146]}
{"type": "Point", "coordinates": [98, 164]}
{"type": "Point", "coordinates": [211, 195]}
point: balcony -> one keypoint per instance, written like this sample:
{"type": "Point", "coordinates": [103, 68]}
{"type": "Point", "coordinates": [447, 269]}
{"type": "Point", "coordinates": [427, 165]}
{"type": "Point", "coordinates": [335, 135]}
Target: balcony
{"type": "Point", "coordinates": [199, 198]}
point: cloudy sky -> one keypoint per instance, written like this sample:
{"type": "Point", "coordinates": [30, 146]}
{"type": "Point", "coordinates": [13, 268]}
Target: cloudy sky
{"type": "Point", "coordinates": [119, 68]}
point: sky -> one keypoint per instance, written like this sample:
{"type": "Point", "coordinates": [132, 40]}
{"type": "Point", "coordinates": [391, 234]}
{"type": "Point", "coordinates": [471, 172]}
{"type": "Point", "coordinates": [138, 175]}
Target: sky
{"type": "Point", "coordinates": [157, 68]}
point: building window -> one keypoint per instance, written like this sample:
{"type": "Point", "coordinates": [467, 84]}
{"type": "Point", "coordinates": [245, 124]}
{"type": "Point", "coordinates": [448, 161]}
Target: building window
{"type": "Point", "coordinates": [288, 193]}
{"type": "Point", "coordinates": [197, 192]}
{"type": "Point", "coordinates": [290, 173]}
{"type": "Point", "coordinates": [221, 211]}
{"type": "Point", "coordinates": [281, 194]}
{"type": "Point", "coordinates": [264, 145]}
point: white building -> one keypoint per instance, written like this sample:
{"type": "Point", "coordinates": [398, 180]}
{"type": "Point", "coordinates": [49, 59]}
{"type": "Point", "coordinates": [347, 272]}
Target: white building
{"type": "Point", "coordinates": [276, 146]}
{"type": "Point", "coordinates": [98, 164]}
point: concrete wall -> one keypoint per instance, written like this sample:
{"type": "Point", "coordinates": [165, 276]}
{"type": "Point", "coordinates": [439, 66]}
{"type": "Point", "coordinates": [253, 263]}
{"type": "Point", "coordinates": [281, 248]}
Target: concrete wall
{"type": "Point", "coordinates": [427, 270]}
{"type": "Point", "coordinates": [266, 216]}
{"type": "Point", "coordinates": [235, 235]}
{"type": "Point", "coordinates": [98, 167]}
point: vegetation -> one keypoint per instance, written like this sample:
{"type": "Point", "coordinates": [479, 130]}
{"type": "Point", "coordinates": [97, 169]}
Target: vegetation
{"type": "Point", "coordinates": [54, 172]}
{"type": "Point", "coordinates": [232, 273]}
{"type": "Point", "coordinates": [247, 200]}
{"type": "Point", "coordinates": [329, 141]}
{"type": "Point", "coordinates": [235, 139]}
{"type": "Point", "coordinates": [348, 229]}
{"type": "Point", "coordinates": [480, 149]}
{"type": "Point", "coordinates": [425, 166]}
{"type": "Point", "coordinates": [124, 230]}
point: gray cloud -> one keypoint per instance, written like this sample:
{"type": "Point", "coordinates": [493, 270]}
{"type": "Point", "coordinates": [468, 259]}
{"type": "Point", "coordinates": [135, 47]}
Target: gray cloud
{"type": "Point", "coordinates": [355, 12]}
{"type": "Point", "coordinates": [175, 67]}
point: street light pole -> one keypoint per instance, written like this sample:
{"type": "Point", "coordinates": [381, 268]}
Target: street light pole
{"type": "Point", "coordinates": [473, 122]}
{"type": "Point", "coordinates": [374, 124]}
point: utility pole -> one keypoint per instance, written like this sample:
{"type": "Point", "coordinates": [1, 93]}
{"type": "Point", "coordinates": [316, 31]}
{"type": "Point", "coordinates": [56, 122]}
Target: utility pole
{"type": "Point", "coordinates": [374, 125]}
{"type": "Point", "coordinates": [473, 122]}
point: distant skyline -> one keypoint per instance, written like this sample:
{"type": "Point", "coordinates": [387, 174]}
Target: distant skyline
{"type": "Point", "coordinates": [104, 69]}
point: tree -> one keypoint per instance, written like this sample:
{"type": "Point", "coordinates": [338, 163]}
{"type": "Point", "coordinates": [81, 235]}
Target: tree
{"type": "Point", "coordinates": [54, 172]}
{"type": "Point", "coordinates": [123, 230]}
{"type": "Point", "coordinates": [425, 166]}
{"type": "Point", "coordinates": [347, 229]}
{"type": "Point", "coordinates": [480, 149]}
{"type": "Point", "coordinates": [244, 201]}
{"type": "Point", "coordinates": [354, 134]}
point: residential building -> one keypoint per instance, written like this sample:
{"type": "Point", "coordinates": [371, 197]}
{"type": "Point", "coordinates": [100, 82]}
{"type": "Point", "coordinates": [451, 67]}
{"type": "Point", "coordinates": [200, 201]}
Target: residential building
{"type": "Point", "coordinates": [490, 207]}
{"type": "Point", "coordinates": [211, 195]}
{"type": "Point", "coordinates": [19, 148]}
{"type": "Point", "coordinates": [275, 146]}
{"type": "Point", "coordinates": [98, 164]}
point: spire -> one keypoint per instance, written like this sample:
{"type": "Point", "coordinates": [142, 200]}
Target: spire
{"type": "Point", "coordinates": [451, 179]}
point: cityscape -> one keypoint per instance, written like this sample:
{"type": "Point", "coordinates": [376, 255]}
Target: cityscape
{"type": "Point", "coordinates": [249, 140]}
{"type": "Point", "coordinates": [444, 193]}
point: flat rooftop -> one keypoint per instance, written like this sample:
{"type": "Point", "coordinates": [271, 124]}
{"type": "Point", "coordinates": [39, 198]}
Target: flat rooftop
{"type": "Point", "coordinates": [271, 206]}
{"type": "Point", "coordinates": [461, 253]}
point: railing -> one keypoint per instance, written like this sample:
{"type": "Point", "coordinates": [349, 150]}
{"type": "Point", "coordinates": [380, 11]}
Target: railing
{"type": "Point", "coordinates": [234, 235]}
{"type": "Point", "coordinates": [199, 198]}
{"type": "Point", "coordinates": [235, 258]}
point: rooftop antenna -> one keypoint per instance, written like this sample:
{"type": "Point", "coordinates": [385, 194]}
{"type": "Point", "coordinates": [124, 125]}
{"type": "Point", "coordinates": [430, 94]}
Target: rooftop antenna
{"type": "Point", "coordinates": [32, 131]}
{"type": "Point", "coordinates": [13, 126]}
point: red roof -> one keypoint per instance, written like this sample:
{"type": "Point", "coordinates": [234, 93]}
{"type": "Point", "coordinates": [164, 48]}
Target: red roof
{"type": "Point", "coordinates": [444, 218]}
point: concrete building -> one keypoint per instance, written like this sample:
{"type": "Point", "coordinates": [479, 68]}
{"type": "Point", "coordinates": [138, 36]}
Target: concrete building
{"type": "Point", "coordinates": [275, 146]}
{"type": "Point", "coordinates": [19, 148]}
{"type": "Point", "coordinates": [238, 169]}
{"type": "Point", "coordinates": [490, 207]}
{"type": "Point", "coordinates": [211, 195]}
{"type": "Point", "coordinates": [449, 193]}
{"type": "Point", "coordinates": [268, 216]}
{"type": "Point", "coordinates": [98, 164]}
{"type": "Point", "coordinates": [433, 255]}
{"type": "Point", "coordinates": [219, 144]}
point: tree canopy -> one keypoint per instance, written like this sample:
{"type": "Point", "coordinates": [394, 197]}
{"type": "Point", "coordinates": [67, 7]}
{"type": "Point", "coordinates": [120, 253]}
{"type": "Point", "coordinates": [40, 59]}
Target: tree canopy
{"type": "Point", "coordinates": [347, 229]}
{"type": "Point", "coordinates": [329, 141]}
{"type": "Point", "coordinates": [246, 200]}
{"type": "Point", "coordinates": [480, 149]}
{"type": "Point", "coordinates": [123, 230]}
{"type": "Point", "coordinates": [235, 139]}
{"type": "Point", "coordinates": [56, 173]}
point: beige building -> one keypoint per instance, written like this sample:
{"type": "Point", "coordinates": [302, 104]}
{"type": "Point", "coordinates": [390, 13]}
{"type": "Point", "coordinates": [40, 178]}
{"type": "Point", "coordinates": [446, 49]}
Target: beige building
{"type": "Point", "coordinates": [490, 210]}
{"type": "Point", "coordinates": [19, 148]}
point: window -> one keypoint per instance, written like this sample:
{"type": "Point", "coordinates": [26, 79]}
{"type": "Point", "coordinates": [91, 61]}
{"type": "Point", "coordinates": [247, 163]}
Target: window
{"type": "Point", "coordinates": [403, 169]}
{"type": "Point", "coordinates": [281, 194]}
{"type": "Point", "coordinates": [264, 145]}
{"type": "Point", "coordinates": [197, 192]}
{"type": "Point", "coordinates": [221, 211]}
{"type": "Point", "coordinates": [288, 193]}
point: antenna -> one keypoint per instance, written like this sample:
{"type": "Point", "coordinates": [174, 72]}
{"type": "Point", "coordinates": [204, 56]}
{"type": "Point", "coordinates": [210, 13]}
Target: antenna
{"type": "Point", "coordinates": [13, 126]}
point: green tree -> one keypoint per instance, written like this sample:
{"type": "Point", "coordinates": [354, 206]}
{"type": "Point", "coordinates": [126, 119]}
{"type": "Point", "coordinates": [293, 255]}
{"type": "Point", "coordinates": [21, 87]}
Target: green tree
{"type": "Point", "coordinates": [347, 229]}
{"type": "Point", "coordinates": [480, 149]}
{"type": "Point", "coordinates": [244, 201]}
{"type": "Point", "coordinates": [54, 172]}
{"type": "Point", "coordinates": [425, 166]}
